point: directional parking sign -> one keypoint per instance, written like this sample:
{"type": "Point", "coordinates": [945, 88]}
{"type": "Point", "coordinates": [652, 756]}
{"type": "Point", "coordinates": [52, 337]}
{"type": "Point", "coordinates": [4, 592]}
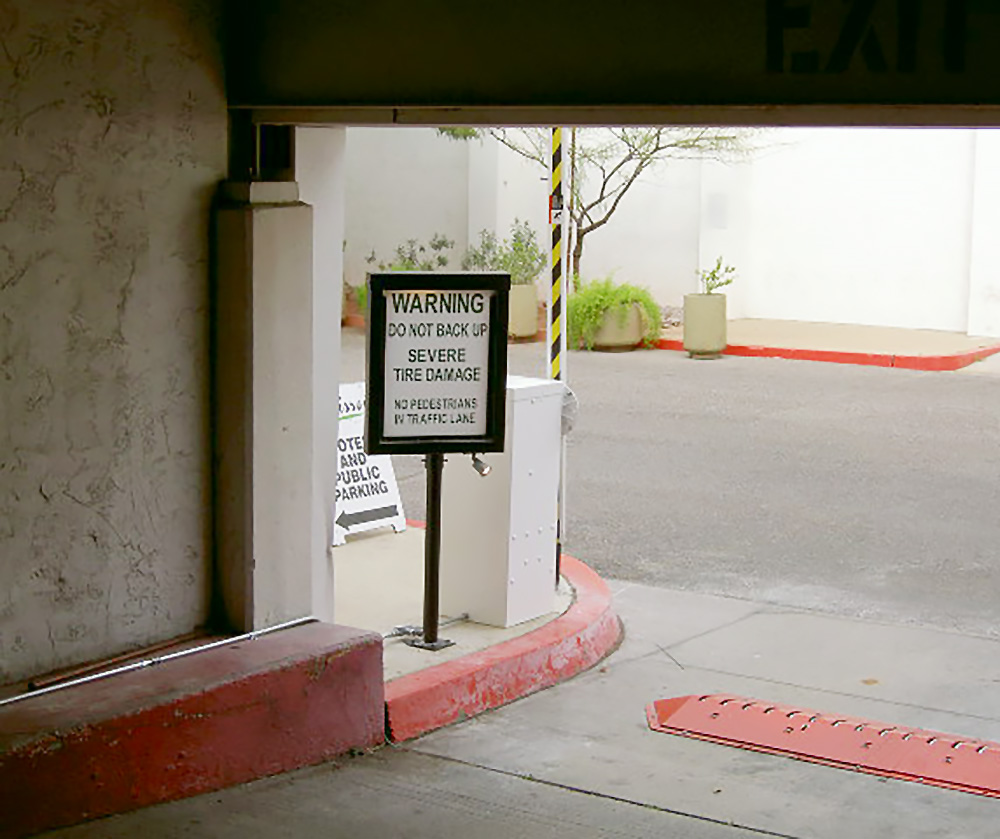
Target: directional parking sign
{"type": "Point", "coordinates": [437, 362]}
{"type": "Point", "coordinates": [367, 494]}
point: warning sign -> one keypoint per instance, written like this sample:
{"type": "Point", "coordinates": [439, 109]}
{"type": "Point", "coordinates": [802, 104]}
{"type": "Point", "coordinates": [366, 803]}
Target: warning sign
{"type": "Point", "coordinates": [436, 342]}
{"type": "Point", "coordinates": [437, 360]}
{"type": "Point", "coordinates": [367, 494]}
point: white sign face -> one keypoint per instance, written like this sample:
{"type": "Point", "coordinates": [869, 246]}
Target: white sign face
{"type": "Point", "coordinates": [367, 494]}
{"type": "Point", "coordinates": [436, 363]}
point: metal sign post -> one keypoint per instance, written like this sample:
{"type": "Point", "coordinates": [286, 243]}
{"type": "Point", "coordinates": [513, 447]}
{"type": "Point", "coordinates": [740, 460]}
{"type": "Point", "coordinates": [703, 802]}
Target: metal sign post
{"type": "Point", "coordinates": [436, 381]}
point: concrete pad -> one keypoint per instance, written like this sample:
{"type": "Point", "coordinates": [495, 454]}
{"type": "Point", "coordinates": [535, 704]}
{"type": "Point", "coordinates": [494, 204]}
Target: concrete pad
{"type": "Point", "coordinates": [659, 618]}
{"type": "Point", "coordinates": [458, 689]}
{"type": "Point", "coordinates": [401, 794]}
{"type": "Point", "coordinates": [379, 584]}
{"type": "Point", "coordinates": [215, 718]}
{"type": "Point", "coordinates": [591, 733]}
{"type": "Point", "coordinates": [897, 664]}
{"type": "Point", "coordinates": [986, 367]}
{"type": "Point", "coordinates": [918, 349]}
{"type": "Point", "coordinates": [844, 337]}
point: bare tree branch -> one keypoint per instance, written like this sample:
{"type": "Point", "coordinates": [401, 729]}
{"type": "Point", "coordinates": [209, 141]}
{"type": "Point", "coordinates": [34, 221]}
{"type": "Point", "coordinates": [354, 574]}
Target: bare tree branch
{"type": "Point", "coordinates": [605, 163]}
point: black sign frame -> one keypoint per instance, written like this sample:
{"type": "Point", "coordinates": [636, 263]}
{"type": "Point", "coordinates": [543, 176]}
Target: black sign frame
{"type": "Point", "coordinates": [496, 375]}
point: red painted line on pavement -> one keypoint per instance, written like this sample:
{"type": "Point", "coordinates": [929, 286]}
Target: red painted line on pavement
{"type": "Point", "coordinates": [954, 361]}
{"type": "Point", "coordinates": [944, 362]}
{"type": "Point", "coordinates": [875, 748]}
{"type": "Point", "coordinates": [454, 690]}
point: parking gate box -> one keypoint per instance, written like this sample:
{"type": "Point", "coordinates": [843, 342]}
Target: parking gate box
{"type": "Point", "coordinates": [498, 533]}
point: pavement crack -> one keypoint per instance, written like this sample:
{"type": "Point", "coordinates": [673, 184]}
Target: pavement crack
{"type": "Point", "coordinates": [718, 628]}
{"type": "Point", "coordinates": [668, 655]}
{"type": "Point", "coordinates": [669, 811]}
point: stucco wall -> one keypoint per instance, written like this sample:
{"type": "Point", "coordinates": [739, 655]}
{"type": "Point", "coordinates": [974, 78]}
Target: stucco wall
{"type": "Point", "coordinates": [403, 183]}
{"type": "Point", "coordinates": [112, 137]}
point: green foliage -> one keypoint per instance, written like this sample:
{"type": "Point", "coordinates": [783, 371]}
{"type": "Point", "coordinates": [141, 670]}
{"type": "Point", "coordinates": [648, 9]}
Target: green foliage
{"type": "Point", "coordinates": [413, 255]}
{"type": "Point", "coordinates": [520, 256]}
{"type": "Point", "coordinates": [717, 277]}
{"type": "Point", "coordinates": [460, 133]}
{"type": "Point", "coordinates": [588, 306]}
{"type": "Point", "coordinates": [361, 295]}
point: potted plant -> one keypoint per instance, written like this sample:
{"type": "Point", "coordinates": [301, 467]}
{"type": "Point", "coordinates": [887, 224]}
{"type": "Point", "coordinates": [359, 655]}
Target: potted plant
{"type": "Point", "coordinates": [705, 313]}
{"type": "Point", "coordinates": [603, 315]}
{"type": "Point", "coordinates": [522, 258]}
{"type": "Point", "coordinates": [354, 305]}
{"type": "Point", "coordinates": [414, 255]}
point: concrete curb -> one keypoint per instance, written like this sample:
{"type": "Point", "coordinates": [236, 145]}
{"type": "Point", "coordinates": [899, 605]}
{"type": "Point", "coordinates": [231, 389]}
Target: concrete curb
{"type": "Point", "coordinates": [221, 717]}
{"type": "Point", "coordinates": [455, 690]}
{"type": "Point", "coordinates": [954, 361]}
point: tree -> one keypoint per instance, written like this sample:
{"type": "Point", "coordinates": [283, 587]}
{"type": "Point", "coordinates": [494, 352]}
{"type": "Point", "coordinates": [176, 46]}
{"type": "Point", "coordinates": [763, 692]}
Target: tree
{"type": "Point", "coordinates": [605, 163]}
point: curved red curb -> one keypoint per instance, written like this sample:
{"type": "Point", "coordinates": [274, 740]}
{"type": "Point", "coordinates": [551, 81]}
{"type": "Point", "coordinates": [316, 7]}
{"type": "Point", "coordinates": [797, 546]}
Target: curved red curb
{"type": "Point", "coordinates": [955, 361]}
{"type": "Point", "coordinates": [454, 690]}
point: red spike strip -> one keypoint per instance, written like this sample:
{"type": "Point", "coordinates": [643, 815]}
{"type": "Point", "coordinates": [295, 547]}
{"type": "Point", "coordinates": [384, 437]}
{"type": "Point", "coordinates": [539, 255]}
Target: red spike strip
{"type": "Point", "coordinates": [907, 754]}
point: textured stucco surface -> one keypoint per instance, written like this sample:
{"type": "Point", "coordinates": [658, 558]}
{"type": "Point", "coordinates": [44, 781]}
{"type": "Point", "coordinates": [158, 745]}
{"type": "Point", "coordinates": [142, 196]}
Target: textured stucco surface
{"type": "Point", "coordinates": [112, 137]}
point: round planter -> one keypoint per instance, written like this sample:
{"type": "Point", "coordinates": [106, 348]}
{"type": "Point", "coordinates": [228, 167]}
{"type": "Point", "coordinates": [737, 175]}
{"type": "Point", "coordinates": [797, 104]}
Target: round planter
{"type": "Point", "coordinates": [522, 316]}
{"type": "Point", "coordinates": [704, 325]}
{"type": "Point", "coordinates": [617, 334]}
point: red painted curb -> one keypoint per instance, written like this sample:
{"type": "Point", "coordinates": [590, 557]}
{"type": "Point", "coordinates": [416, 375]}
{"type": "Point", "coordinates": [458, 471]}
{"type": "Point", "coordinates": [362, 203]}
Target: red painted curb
{"type": "Point", "coordinates": [452, 691]}
{"type": "Point", "coordinates": [907, 362]}
{"type": "Point", "coordinates": [188, 726]}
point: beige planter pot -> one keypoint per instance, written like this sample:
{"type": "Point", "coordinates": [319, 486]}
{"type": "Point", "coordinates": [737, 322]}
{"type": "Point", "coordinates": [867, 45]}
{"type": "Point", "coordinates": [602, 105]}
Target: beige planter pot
{"type": "Point", "coordinates": [704, 325]}
{"type": "Point", "coordinates": [617, 335]}
{"type": "Point", "coordinates": [522, 317]}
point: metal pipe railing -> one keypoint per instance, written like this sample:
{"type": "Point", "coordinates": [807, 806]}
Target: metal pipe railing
{"type": "Point", "coordinates": [148, 662]}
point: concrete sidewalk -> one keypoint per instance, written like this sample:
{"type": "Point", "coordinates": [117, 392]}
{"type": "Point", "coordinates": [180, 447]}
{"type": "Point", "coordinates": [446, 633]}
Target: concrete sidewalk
{"type": "Point", "coordinates": [915, 349]}
{"type": "Point", "coordinates": [579, 760]}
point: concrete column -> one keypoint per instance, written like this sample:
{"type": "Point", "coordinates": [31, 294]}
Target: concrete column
{"type": "Point", "coordinates": [320, 155]}
{"type": "Point", "coordinates": [263, 388]}
{"type": "Point", "coordinates": [984, 264]}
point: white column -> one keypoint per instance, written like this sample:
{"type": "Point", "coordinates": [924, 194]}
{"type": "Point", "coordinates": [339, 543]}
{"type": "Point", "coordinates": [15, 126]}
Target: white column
{"type": "Point", "coordinates": [984, 265]}
{"type": "Point", "coordinates": [321, 172]}
{"type": "Point", "coordinates": [264, 420]}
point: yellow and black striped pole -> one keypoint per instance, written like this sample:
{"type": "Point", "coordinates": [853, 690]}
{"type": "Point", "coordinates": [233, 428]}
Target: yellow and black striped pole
{"type": "Point", "coordinates": [557, 334]}
{"type": "Point", "coordinates": [555, 219]}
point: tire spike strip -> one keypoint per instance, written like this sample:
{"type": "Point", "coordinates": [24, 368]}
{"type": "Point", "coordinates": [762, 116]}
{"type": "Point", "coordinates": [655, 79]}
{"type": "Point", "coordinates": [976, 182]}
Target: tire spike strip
{"type": "Point", "coordinates": [876, 748]}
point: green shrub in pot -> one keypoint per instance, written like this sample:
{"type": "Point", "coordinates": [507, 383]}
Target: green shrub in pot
{"type": "Point", "coordinates": [598, 302]}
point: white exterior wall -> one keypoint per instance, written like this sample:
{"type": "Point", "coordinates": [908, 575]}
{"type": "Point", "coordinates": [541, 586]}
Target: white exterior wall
{"type": "Point", "coordinates": [890, 227]}
{"type": "Point", "coordinates": [652, 239]}
{"type": "Point", "coordinates": [403, 183]}
{"type": "Point", "coordinates": [112, 140]}
{"type": "Point", "coordinates": [867, 226]}
{"type": "Point", "coordinates": [726, 229]}
{"type": "Point", "coordinates": [523, 195]}
{"type": "Point", "coordinates": [984, 276]}
{"type": "Point", "coordinates": [410, 183]}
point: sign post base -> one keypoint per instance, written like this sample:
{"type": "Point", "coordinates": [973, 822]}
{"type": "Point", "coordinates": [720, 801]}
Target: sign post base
{"type": "Point", "coordinates": [434, 646]}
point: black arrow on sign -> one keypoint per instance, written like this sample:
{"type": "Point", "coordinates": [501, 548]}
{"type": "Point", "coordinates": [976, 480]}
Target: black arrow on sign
{"type": "Point", "coordinates": [348, 520]}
